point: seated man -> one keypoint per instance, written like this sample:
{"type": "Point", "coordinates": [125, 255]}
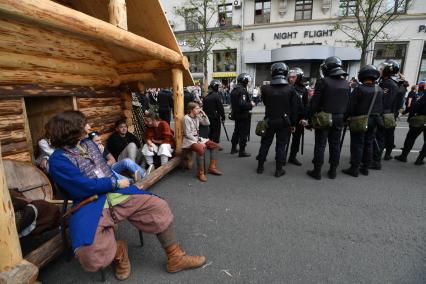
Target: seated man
{"type": "Point", "coordinates": [81, 171]}
{"type": "Point", "coordinates": [159, 140]}
{"type": "Point", "coordinates": [123, 144]}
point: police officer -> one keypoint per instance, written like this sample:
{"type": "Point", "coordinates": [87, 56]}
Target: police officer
{"type": "Point", "coordinates": [360, 102]}
{"type": "Point", "coordinates": [386, 136]}
{"type": "Point", "coordinates": [281, 110]}
{"type": "Point", "coordinates": [416, 108]}
{"type": "Point", "coordinates": [213, 107]}
{"type": "Point", "coordinates": [187, 98]}
{"type": "Point", "coordinates": [241, 105]}
{"type": "Point", "coordinates": [165, 104]}
{"type": "Point", "coordinates": [331, 96]}
{"type": "Point", "coordinates": [295, 78]}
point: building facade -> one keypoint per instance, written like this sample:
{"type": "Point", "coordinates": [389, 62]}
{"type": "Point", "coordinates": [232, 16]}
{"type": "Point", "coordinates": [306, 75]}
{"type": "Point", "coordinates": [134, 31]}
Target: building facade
{"type": "Point", "coordinates": [301, 33]}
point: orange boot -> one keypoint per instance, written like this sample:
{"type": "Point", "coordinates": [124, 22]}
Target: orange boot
{"type": "Point", "coordinates": [213, 169]}
{"type": "Point", "coordinates": [200, 174]}
{"type": "Point", "coordinates": [177, 260]}
{"type": "Point", "coordinates": [122, 262]}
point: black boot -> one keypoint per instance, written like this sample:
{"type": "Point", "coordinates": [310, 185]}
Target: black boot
{"type": "Point", "coordinates": [375, 165]}
{"type": "Point", "coordinates": [293, 160]}
{"type": "Point", "coordinates": [363, 170]}
{"type": "Point", "coordinates": [316, 172]}
{"type": "Point", "coordinates": [420, 159]}
{"type": "Point", "coordinates": [332, 173]}
{"type": "Point", "coordinates": [243, 153]}
{"type": "Point", "coordinates": [234, 149]}
{"type": "Point", "coordinates": [352, 171]}
{"type": "Point", "coordinates": [260, 168]}
{"type": "Point", "coordinates": [402, 157]}
{"type": "Point", "coordinates": [388, 156]}
{"type": "Point", "coordinates": [279, 171]}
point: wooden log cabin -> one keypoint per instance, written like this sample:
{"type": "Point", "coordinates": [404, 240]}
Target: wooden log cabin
{"type": "Point", "coordinates": [81, 55]}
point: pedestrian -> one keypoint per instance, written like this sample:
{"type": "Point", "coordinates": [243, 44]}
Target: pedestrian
{"type": "Point", "coordinates": [213, 107]}
{"type": "Point", "coordinates": [328, 105]}
{"type": "Point", "coordinates": [386, 134]}
{"type": "Point", "coordinates": [402, 91]}
{"type": "Point", "coordinates": [411, 98]}
{"type": "Point", "coordinates": [241, 105]}
{"type": "Point", "coordinates": [281, 110]}
{"type": "Point", "coordinates": [366, 100]}
{"type": "Point", "coordinates": [296, 78]}
{"type": "Point", "coordinates": [165, 105]}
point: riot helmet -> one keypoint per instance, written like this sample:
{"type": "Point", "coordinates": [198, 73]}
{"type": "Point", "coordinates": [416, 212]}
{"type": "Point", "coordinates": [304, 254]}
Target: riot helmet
{"type": "Point", "coordinates": [279, 73]}
{"type": "Point", "coordinates": [243, 79]}
{"type": "Point", "coordinates": [214, 85]}
{"type": "Point", "coordinates": [389, 68]}
{"type": "Point", "coordinates": [368, 72]}
{"type": "Point", "coordinates": [332, 66]}
{"type": "Point", "coordinates": [298, 72]}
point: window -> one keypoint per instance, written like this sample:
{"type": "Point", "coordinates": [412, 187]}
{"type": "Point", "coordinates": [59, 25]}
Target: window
{"type": "Point", "coordinates": [225, 15]}
{"type": "Point", "coordinates": [262, 13]}
{"type": "Point", "coordinates": [392, 50]}
{"type": "Point", "coordinates": [303, 10]}
{"type": "Point", "coordinates": [397, 6]}
{"type": "Point", "coordinates": [195, 62]}
{"type": "Point", "coordinates": [347, 8]}
{"type": "Point", "coordinates": [225, 60]}
{"type": "Point", "coordinates": [191, 21]}
{"type": "Point", "coordinates": [422, 71]}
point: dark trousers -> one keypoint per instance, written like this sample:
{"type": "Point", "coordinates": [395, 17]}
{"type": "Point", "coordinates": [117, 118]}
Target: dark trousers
{"type": "Point", "coordinates": [362, 143]}
{"type": "Point", "coordinates": [412, 135]}
{"type": "Point", "coordinates": [295, 140]}
{"type": "Point", "coordinates": [241, 133]}
{"type": "Point", "coordinates": [385, 141]}
{"type": "Point", "coordinates": [332, 135]}
{"type": "Point", "coordinates": [282, 133]}
{"type": "Point", "coordinates": [215, 128]}
{"type": "Point", "coordinates": [165, 115]}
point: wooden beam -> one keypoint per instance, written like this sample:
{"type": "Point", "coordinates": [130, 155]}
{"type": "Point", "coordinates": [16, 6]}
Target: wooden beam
{"type": "Point", "coordinates": [46, 252]}
{"type": "Point", "coordinates": [40, 90]}
{"type": "Point", "coordinates": [125, 78]}
{"type": "Point", "coordinates": [23, 272]}
{"type": "Point", "coordinates": [27, 130]}
{"type": "Point", "coordinates": [159, 173]}
{"type": "Point", "coordinates": [118, 13]}
{"type": "Point", "coordinates": [48, 13]}
{"type": "Point", "coordinates": [142, 66]}
{"type": "Point", "coordinates": [177, 81]}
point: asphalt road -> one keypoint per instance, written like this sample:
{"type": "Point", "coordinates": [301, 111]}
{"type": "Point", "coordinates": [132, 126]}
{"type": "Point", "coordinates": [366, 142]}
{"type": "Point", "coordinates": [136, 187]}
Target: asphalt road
{"type": "Point", "coordinates": [261, 229]}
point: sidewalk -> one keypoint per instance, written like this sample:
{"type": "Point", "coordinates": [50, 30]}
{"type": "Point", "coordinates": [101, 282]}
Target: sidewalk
{"type": "Point", "coordinates": [260, 109]}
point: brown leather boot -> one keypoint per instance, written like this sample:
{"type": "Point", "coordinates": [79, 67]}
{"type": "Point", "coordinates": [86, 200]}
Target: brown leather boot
{"type": "Point", "coordinates": [213, 169]}
{"type": "Point", "coordinates": [122, 262]}
{"type": "Point", "coordinates": [177, 260]}
{"type": "Point", "coordinates": [200, 174]}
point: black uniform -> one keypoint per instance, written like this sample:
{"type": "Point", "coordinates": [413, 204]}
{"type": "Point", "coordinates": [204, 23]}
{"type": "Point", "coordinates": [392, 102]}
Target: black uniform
{"type": "Point", "coordinates": [144, 100]}
{"type": "Point", "coordinates": [241, 106]}
{"type": "Point", "coordinates": [213, 107]}
{"type": "Point", "coordinates": [331, 96]}
{"type": "Point", "coordinates": [386, 137]}
{"type": "Point", "coordinates": [165, 105]}
{"type": "Point", "coordinates": [362, 142]}
{"type": "Point", "coordinates": [281, 111]}
{"type": "Point", "coordinates": [187, 98]}
{"type": "Point", "coordinates": [303, 100]}
{"type": "Point", "coordinates": [402, 90]}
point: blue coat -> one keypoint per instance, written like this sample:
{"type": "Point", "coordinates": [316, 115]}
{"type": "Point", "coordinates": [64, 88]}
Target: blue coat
{"type": "Point", "coordinates": [83, 222]}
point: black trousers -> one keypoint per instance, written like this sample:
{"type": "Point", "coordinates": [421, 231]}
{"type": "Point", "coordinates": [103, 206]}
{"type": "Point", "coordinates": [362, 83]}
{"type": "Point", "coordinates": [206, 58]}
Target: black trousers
{"type": "Point", "coordinates": [165, 114]}
{"type": "Point", "coordinates": [385, 140]}
{"type": "Point", "coordinates": [215, 127]}
{"type": "Point", "coordinates": [282, 133]}
{"type": "Point", "coordinates": [332, 135]}
{"type": "Point", "coordinates": [362, 143]}
{"type": "Point", "coordinates": [412, 135]}
{"type": "Point", "coordinates": [295, 140]}
{"type": "Point", "coordinates": [241, 133]}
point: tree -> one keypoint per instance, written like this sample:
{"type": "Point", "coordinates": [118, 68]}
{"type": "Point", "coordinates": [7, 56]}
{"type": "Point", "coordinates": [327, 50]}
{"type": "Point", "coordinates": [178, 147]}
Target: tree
{"type": "Point", "coordinates": [371, 17]}
{"type": "Point", "coordinates": [204, 27]}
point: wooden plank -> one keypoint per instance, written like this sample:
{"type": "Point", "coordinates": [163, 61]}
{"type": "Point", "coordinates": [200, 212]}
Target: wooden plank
{"type": "Point", "coordinates": [118, 13]}
{"type": "Point", "coordinates": [46, 252]}
{"type": "Point", "coordinates": [177, 79]}
{"type": "Point", "coordinates": [11, 122]}
{"type": "Point", "coordinates": [159, 173]}
{"type": "Point", "coordinates": [98, 102]}
{"type": "Point", "coordinates": [14, 148]}
{"type": "Point", "coordinates": [13, 136]}
{"type": "Point", "coordinates": [23, 272]}
{"type": "Point", "coordinates": [101, 111]}
{"type": "Point", "coordinates": [46, 90]}
{"type": "Point", "coordinates": [10, 106]}
{"type": "Point", "coordinates": [95, 121]}
{"type": "Point", "coordinates": [23, 157]}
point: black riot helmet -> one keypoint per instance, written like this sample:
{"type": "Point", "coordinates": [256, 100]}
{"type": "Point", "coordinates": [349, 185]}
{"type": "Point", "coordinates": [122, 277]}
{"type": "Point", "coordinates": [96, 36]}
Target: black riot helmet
{"type": "Point", "coordinates": [214, 85]}
{"type": "Point", "coordinates": [300, 76]}
{"type": "Point", "coordinates": [389, 68]}
{"type": "Point", "coordinates": [332, 66]}
{"type": "Point", "coordinates": [368, 72]}
{"type": "Point", "coordinates": [243, 79]}
{"type": "Point", "coordinates": [279, 73]}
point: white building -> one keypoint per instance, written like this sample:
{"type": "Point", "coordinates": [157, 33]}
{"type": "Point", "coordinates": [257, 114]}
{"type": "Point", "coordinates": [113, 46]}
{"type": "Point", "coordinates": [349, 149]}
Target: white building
{"type": "Point", "coordinates": [300, 33]}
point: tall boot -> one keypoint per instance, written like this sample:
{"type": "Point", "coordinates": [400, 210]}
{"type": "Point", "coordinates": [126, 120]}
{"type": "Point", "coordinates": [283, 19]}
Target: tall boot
{"type": "Point", "coordinates": [332, 171]}
{"type": "Point", "coordinates": [234, 149]}
{"type": "Point", "coordinates": [293, 160]}
{"type": "Point", "coordinates": [388, 156]}
{"type": "Point", "coordinates": [420, 159]}
{"type": "Point", "coordinates": [242, 153]}
{"type": "Point", "coordinates": [279, 171]}
{"type": "Point", "coordinates": [403, 156]}
{"type": "Point", "coordinates": [122, 262]}
{"type": "Point", "coordinates": [260, 167]}
{"type": "Point", "coordinates": [352, 171]}
{"type": "Point", "coordinates": [316, 172]}
{"type": "Point", "coordinates": [177, 260]}
{"type": "Point", "coordinates": [213, 169]}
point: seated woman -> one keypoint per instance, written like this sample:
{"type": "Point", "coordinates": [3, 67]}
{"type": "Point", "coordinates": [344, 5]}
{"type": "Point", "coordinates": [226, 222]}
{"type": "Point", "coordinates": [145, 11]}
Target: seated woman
{"type": "Point", "coordinates": [193, 141]}
{"type": "Point", "coordinates": [117, 167]}
{"type": "Point", "coordinates": [159, 140]}
{"type": "Point", "coordinates": [81, 171]}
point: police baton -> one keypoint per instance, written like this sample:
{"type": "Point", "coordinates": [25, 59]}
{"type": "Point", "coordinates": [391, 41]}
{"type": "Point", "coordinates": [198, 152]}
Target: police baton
{"type": "Point", "coordinates": [224, 128]}
{"type": "Point", "coordinates": [343, 136]}
{"type": "Point", "coordinates": [303, 140]}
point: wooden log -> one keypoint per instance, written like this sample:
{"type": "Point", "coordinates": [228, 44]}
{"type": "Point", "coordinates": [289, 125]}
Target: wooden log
{"type": "Point", "coordinates": [104, 128]}
{"type": "Point", "coordinates": [101, 111]}
{"type": "Point", "coordinates": [159, 173]}
{"type": "Point", "coordinates": [10, 249]}
{"type": "Point", "coordinates": [14, 148]}
{"type": "Point", "coordinates": [98, 102]}
{"type": "Point", "coordinates": [125, 78]}
{"type": "Point", "coordinates": [43, 90]}
{"type": "Point", "coordinates": [23, 272]}
{"type": "Point", "coordinates": [177, 80]}
{"type": "Point", "coordinates": [13, 76]}
{"type": "Point", "coordinates": [23, 157]}
{"type": "Point", "coordinates": [31, 39]}
{"type": "Point", "coordinates": [48, 13]}
{"type": "Point", "coordinates": [11, 122]}
{"type": "Point", "coordinates": [44, 63]}
{"type": "Point", "coordinates": [118, 13]}
{"type": "Point", "coordinates": [10, 106]}
{"type": "Point", "coordinates": [13, 136]}
{"type": "Point", "coordinates": [46, 252]}
{"type": "Point", "coordinates": [94, 122]}
{"type": "Point", "coordinates": [142, 66]}
{"type": "Point", "coordinates": [27, 130]}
